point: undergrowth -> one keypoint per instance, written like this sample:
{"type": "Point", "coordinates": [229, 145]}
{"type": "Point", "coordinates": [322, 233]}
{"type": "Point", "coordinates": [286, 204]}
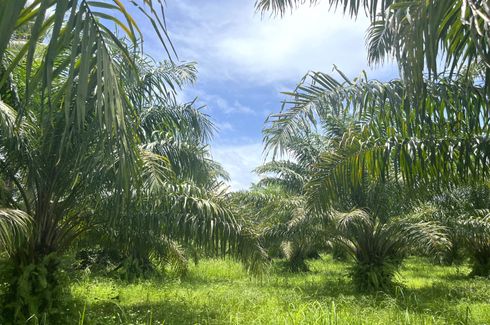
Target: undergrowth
{"type": "Point", "coordinates": [220, 292]}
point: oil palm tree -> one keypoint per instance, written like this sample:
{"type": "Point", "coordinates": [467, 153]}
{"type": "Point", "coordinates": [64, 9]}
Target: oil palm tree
{"type": "Point", "coordinates": [61, 85]}
{"type": "Point", "coordinates": [79, 131]}
{"type": "Point", "coordinates": [68, 185]}
{"type": "Point", "coordinates": [378, 247]}
{"type": "Point", "coordinates": [180, 199]}
{"type": "Point", "coordinates": [448, 143]}
{"type": "Point", "coordinates": [280, 222]}
{"type": "Point", "coordinates": [463, 210]}
{"type": "Point", "coordinates": [475, 234]}
{"type": "Point", "coordinates": [384, 142]}
{"type": "Point", "coordinates": [278, 205]}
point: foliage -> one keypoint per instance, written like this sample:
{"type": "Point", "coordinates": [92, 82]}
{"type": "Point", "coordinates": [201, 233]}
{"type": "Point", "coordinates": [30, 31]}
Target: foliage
{"type": "Point", "coordinates": [375, 155]}
{"type": "Point", "coordinates": [64, 134]}
{"type": "Point", "coordinates": [448, 143]}
{"type": "Point", "coordinates": [278, 201]}
{"type": "Point", "coordinates": [423, 131]}
{"type": "Point", "coordinates": [36, 291]}
{"type": "Point", "coordinates": [463, 211]}
{"type": "Point", "coordinates": [176, 198]}
{"type": "Point", "coordinates": [476, 237]}
{"type": "Point", "coordinates": [457, 209]}
{"type": "Point", "coordinates": [92, 136]}
{"type": "Point", "coordinates": [282, 224]}
{"type": "Point", "coordinates": [379, 246]}
{"type": "Point", "coordinates": [219, 291]}
{"type": "Point", "coordinates": [15, 226]}
{"type": "Point", "coordinates": [95, 149]}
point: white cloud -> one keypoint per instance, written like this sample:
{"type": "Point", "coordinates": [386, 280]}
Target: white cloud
{"type": "Point", "coordinates": [231, 41]}
{"type": "Point", "coordinates": [224, 126]}
{"type": "Point", "coordinates": [238, 50]}
{"type": "Point", "coordinates": [239, 161]}
{"type": "Point", "coordinates": [217, 102]}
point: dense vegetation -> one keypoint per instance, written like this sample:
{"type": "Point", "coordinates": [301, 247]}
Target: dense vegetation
{"type": "Point", "coordinates": [106, 180]}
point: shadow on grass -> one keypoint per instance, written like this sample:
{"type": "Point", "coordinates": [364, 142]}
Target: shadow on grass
{"type": "Point", "coordinates": [327, 287]}
{"type": "Point", "coordinates": [457, 277]}
{"type": "Point", "coordinates": [162, 312]}
{"type": "Point", "coordinates": [443, 299]}
{"type": "Point", "coordinates": [446, 298]}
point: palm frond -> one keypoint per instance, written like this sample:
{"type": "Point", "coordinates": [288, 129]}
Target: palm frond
{"type": "Point", "coordinates": [388, 136]}
{"type": "Point", "coordinates": [15, 226]}
{"type": "Point", "coordinates": [354, 218]}
{"type": "Point", "coordinates": [8, 118]}
{"type": "Point", "coordinates": [352, 7]}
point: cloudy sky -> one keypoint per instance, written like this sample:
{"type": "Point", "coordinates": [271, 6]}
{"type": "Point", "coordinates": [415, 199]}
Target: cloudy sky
{"type": "Point", "coordinates": [245, 60]}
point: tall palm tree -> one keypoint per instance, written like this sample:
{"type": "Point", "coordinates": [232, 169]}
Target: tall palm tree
{"type": "Point", "coordinates": [61, 78]}
{"type": "Point", "coordinates": [179, 200]}
{"type": "Point", "coordinates": [85, 123]}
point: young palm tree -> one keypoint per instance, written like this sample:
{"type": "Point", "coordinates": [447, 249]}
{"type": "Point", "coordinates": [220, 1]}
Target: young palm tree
{"type": "Point", "coordinates": [378, 247]}
{"type": "Point", "coordinates": [475, 234]}
{"type": "Point", "coordinates": [281, 222]}
{"type": "Point", "coordinates": [463, 212]}
{"type": "Point", "coordinates": [299, 231]}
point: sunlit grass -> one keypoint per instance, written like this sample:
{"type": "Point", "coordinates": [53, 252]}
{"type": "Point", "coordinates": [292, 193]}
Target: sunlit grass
{"type": "Point", "coordinates": [220, 292]}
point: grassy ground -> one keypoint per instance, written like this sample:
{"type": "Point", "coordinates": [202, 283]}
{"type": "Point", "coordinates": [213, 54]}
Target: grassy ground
{"type": "Point", "coordinates": [220, 292]}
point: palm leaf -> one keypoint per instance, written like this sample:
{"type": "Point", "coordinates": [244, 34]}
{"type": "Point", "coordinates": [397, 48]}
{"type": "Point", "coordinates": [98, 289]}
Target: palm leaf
{"type": "Point", "coordinates": [15, 226]}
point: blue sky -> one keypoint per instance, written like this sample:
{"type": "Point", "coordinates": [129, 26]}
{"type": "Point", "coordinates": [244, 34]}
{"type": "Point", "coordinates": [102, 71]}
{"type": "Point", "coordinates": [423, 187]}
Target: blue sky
{"type": "Point", "coordinates": [245, 60]}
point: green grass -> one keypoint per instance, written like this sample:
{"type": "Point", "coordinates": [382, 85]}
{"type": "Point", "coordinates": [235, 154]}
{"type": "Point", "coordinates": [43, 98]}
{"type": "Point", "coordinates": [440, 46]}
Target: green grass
{"type": "Point", "coordinates": [220, 292]}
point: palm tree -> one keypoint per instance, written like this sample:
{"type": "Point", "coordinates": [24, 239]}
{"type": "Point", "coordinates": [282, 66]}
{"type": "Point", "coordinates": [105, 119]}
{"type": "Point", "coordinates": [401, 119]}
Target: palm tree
{"type": "Point", "coordinates": [53, 95]}
{"type": "Point", "coordinates": [378, 247]}
{"type": "Point", "coordinates": [88, 126]}
{"type": "Point", "coordinates": [463, 211]}
{"type": "Point", "coordinates": [448, 143]}
{"type": "Point", "coordinates": [299, 232]}
{"type": "Point", "coordinates": [475, 234]}
{"type": "Point", "coordinates": [387, 147]}
{"type": "Point", "coordinates": [280, 222]}
{"type": "Point", "coordinates": [276, 206]}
